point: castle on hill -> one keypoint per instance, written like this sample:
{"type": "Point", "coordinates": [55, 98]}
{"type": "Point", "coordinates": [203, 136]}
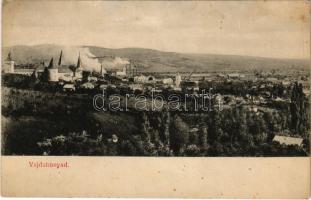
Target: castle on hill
{"type": "Point", "coordinates": [52, 73]}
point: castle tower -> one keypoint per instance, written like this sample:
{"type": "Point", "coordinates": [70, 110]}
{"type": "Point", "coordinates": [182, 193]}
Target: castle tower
{"type": "Point", "coordinates": [60, 58]}
{"type": "Point", "coordinates": [8, 65]}
{"type": "Point", "coordinates": [53, 71]}
{"type": "Point", "coordinates": [79, 63]}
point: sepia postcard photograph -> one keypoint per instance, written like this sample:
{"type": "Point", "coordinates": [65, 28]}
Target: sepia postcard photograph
{"type": "Point", "coordinates": [188, 99]}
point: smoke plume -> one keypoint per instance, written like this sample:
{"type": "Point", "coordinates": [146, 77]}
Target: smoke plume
{"type": "Point", "coordinates": [114, 63]}
{"type": "Point", "coordinates": [89, 62]}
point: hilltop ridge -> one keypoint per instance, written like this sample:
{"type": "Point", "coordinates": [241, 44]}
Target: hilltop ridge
{"type": "Point", "coordinates": [151, 60]}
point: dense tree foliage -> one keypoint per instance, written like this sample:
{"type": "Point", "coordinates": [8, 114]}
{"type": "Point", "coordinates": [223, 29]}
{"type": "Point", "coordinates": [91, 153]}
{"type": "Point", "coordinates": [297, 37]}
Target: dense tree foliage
{"type": "Point", "coordinates": [299, 108]}
{"type": "Point", "coordinates": [39, 119]}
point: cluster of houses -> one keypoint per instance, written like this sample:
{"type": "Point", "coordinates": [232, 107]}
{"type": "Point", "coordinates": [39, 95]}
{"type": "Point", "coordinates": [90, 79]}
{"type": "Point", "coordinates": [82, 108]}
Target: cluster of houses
{"type": "Point", "coordinates": [128, 75]}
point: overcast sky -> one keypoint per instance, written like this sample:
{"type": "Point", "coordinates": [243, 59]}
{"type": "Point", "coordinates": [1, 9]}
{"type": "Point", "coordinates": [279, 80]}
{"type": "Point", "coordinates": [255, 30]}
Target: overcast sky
{"type": "Point", "coordinates": [255, 28]}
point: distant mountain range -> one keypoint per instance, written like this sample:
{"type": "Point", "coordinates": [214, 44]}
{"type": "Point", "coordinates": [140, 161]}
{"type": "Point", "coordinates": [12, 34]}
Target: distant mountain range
{"type": "Point", "coordinates": [151, 60]}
